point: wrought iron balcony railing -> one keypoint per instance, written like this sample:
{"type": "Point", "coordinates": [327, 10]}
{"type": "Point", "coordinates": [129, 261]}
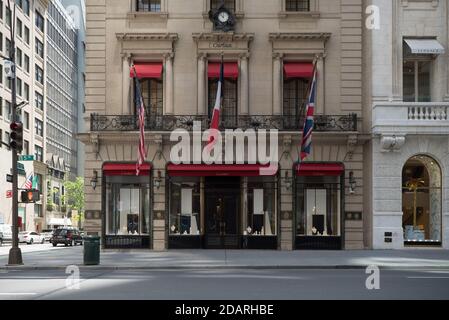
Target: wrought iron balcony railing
{"type": "Point", "coordinates": [323, 123]}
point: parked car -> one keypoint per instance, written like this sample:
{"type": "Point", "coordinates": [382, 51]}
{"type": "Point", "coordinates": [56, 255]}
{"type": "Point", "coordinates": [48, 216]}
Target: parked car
{"type": "Point", "coordinates": [1, 239]}
{"type": "Point", "coordinates": [66, 236]}
{"type": "Point", "coordinates": [6, 230]}
{"type": "Point", "coordinates": [30, 237]}
{"type": "Point", "coordinates": [47, 234]}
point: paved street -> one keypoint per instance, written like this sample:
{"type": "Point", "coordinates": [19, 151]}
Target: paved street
{"type": "Point", "coordinates": [224, 284]}
{"type": "Point", "coordinates": [224, 274]}
{"type": "Point", "coordinates": [45, 256]}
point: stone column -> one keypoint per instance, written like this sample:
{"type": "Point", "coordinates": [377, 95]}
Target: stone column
{"type": "Point", "coordinates": [202, 83]}
{"type": "Point", "coordinates": [244, 84]}
{"type": "Point", "coordinates": [320, 107]}
{"type": "Point", "coordinates": [287, 228]}
{"type": "Point", "coordinates": [169, 83]}
{"type": "Point", "coordinates": [277, 83]}
{"type": "Point", "coordinates": [126, 84]}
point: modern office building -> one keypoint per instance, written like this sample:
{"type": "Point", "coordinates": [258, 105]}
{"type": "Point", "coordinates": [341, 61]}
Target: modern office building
{"type": "Point", "coordinates": [47, 78]}
{"type": "Point", "coordinates": [62, 79]}
{"type": "Point", "coordinates": [30, 61]}
{"type": "Point", "coordinates": [269, 48]}
{"type": "Point", "coordinates": [77, 10]}
{"type": "Point", "coordinates": [408, 74]}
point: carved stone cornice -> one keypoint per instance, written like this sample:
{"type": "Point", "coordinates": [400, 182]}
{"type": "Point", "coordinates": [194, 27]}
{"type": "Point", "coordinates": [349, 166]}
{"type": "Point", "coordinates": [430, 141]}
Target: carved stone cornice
{"type": "Point", "coordinates": [277, 55]}
{"type": "Point", "coordinates": [324, 36]}
{"type": "Point", "coordinates": [202, 56]}
{"type": "Point", "coordinates": [168, 55]}
{"type": "Point", "coordinates": [392, 143]}
{"type": "Point", "coordinates": [221, 36]}
{"type": "Point", "coordinates": [147, 36]}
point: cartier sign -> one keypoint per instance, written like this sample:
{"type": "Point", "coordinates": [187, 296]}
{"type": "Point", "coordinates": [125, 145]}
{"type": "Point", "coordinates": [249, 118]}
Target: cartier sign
{"type": "Point", "coordinates": [221, 45]}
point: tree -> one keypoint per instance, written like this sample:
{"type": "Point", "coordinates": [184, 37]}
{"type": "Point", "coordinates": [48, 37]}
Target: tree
{"type": "Point", "coordinates": [74, 195]}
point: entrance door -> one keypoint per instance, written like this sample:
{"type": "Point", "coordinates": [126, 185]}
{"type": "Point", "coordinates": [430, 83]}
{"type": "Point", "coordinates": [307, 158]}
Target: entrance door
{"type": "Point", "coordinates": [222, 213]}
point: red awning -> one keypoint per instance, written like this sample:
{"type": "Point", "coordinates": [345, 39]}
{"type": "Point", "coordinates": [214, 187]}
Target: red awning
{"type": "Point", "coordinates": [147, 70]}
{"type": "Point", "coordinates": [220, 170]}
{"type": "Point", "coordinates": [231, 70]}
{"type": "Point", "coordinates": [298, 69]}
{"type": "Point", "coordinates": [319, 169]}
{"type": "Point", "coordinates": [125, 169]}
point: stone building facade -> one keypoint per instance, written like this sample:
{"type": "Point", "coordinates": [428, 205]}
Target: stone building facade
{"type": "Point", "coordinates": [408, 89]}
{"type": "Point", "coordinates": [269, 58]}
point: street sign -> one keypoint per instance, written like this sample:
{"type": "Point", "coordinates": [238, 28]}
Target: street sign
{"type": "Point", "coordinates": [26, 158]}
{"type": "Point", "coordinates": [21, 169]}
{"type": "Point", "coordinates": [9, 178]}
{"type": "Point", "coordinates": [8, 194]}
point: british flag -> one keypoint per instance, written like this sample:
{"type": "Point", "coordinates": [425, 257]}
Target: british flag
{"type": "Point", "coordinates": [140, 107]}
{"type": "Point", "coordinates": [306, 145]}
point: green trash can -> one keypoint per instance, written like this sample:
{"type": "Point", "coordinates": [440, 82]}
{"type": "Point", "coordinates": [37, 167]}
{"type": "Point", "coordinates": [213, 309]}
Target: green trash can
{"type": "Point", "coordinates": [91, 250]}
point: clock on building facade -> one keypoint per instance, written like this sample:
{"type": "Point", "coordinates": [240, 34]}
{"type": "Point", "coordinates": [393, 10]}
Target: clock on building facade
{"type": "Point", "coordinates": [222, 18]}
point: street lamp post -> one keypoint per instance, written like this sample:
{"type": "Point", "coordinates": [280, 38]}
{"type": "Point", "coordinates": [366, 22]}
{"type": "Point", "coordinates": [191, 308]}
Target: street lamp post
{"type": "Point", "coordinates": [15, 254]}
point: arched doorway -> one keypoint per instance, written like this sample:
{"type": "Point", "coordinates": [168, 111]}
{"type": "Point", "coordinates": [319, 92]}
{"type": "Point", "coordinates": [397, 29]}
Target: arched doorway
{"type": "Point", "coordinates": [421, 201]}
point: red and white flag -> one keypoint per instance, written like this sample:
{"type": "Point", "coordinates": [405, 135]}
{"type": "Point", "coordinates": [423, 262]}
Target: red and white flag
{"type": "Point", "coordinates": [140, 107]}
{"type": "Point", "coordinates": [215, 122]}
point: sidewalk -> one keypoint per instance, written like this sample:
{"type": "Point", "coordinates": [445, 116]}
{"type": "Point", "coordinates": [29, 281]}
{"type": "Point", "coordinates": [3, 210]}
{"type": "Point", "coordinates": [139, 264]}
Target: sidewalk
{"type": "Point", "coordinates": [256, 259]}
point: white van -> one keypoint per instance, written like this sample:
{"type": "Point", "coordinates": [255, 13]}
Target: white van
{"type": "Point", "coordinates": [7, 232]}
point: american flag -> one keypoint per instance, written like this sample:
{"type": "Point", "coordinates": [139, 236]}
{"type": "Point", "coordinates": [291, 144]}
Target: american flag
{"type": "Point", "coordinates": [29, 182]}
{"type": "Point", "coordinates": [306, 145]}
{"type": "Point", "coordinates": [215, 122]}
{"type": "Point", "coordinates": [140, 107]}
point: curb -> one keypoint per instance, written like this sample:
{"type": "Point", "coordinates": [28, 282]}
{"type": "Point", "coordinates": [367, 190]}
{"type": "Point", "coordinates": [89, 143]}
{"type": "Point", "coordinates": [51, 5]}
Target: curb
{"type": "Point", "coordinates": [221, 267]}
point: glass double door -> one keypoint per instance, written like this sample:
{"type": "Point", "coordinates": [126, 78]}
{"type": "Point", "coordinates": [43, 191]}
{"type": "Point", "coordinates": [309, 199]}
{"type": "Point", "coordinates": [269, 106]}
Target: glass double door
{"type": "Point", "coordinates": [222, 208]}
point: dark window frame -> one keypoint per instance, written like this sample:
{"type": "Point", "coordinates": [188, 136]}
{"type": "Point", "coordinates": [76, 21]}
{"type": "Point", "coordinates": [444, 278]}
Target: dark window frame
{"type": "Point", "coordinates": [149, 6]}
{"type": "Point", "coordinates": [229, 110]}
{"type": "Point", "coordinates": [297, 5]}
{"type": "Point", "coordinates": [229, 4]}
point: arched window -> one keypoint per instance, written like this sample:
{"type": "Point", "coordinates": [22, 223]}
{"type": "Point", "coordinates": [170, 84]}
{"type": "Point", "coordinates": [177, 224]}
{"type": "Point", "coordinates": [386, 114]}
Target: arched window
{"type": "Point", "coordinates": [421, 201]}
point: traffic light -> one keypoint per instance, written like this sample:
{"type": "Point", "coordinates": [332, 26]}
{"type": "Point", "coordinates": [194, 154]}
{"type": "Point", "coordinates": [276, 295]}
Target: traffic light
{"type": "Point", "coordinates": [30, 196]}
{"type": "Point", "coordinates": [16, 136]}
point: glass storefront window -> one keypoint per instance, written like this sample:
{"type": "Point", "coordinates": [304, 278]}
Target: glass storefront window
{"type": "Point", "coordinates": [262, 213]}
{"type": "Point", "coordinates": [127, 206]}
{"type": "Point", "coordinates": [318, 206]}
{"type": "Point", "coordinates": [421, 200]}
{"type": "Point", "coordinates": [185, 218]}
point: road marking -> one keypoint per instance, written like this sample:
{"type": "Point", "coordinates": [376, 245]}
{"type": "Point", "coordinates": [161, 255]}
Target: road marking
{"type": "Point", "coordinates": [17, 294]}
{"type": "Point", "coordinates": [428, 277]}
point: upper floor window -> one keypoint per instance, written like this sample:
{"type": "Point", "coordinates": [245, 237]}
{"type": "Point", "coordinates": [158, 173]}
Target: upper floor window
{"type": "Point", "coordinates": [19, 27]}
{"type": "Point", "coordinates": [8, 17]}
{"type": "Point", "coordinates": [148, 5]}
{"type": "Point", "coordinates": [297, 5]}
{"type": "Point", "coordinates": [24, 5]}
{"type": "Point", "coordinates": [38, 153]}
{"type": "Point", "coordinates": [297, 77]}
{"type": "Point", "coordinates": [39, 48]}
{"type": "Point", "coordinates": [26, 35]}
{"type": "Point", "coordinates": [39, 74]}
{"type": "Point", "coordinates": [39, 101]}
{"type": "Point", "coordinates": [228, 113]}
{"type": "Point", "coordinates": [418, 61]}
{"type": "Point", "coordinates": [229, 4]}
{"type": "Point", "coordinates": [40, 21]}
{"type": "Point", "coordinates": [153, 96]}
{"type": "Point", "coordinates": [416, 80]}
{"type": "Point", "coordinates": [39, 127]}
{"type": "Point", "coordinates": [151, 87]}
